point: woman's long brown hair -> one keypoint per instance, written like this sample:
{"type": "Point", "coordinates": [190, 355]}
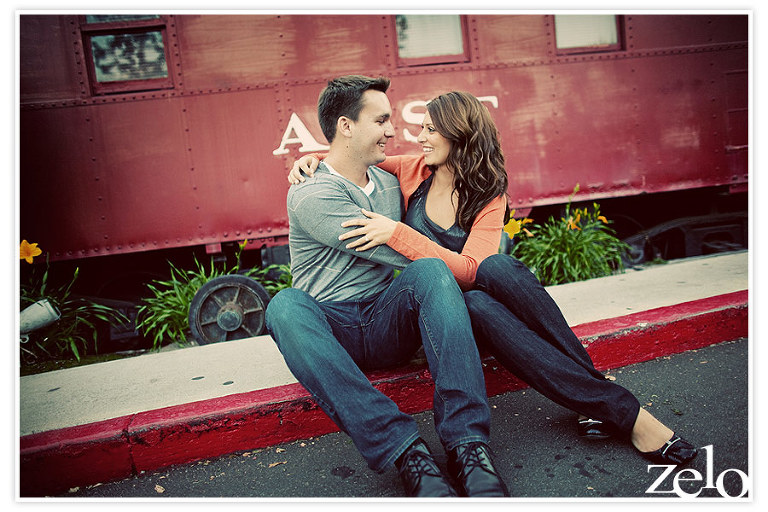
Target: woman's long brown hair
{"type": "Point", "coordinates": [475, 156]}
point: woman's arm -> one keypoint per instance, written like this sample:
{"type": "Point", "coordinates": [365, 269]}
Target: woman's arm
{"type": "Point", "coordinates": [483, 240]}
{"type": "Point", "coordinates": [397, 165]}
{"type": "Point", "coordinates": [306, 165]}
{"type": "Point", "coordinates": [410, 170]}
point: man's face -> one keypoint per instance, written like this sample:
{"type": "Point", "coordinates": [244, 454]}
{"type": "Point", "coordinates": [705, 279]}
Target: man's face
{"type": "Point", "coordinates": [373, 128]}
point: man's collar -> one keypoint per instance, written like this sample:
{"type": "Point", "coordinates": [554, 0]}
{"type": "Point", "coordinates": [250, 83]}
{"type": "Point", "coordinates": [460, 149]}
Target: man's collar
{"type": "Point", "coordinates": [368, 189]}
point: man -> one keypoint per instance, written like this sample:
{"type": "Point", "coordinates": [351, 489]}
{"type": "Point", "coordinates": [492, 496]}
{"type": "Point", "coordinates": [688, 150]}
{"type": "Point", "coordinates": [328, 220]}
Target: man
{"type": "Point", "coordinates": [346, 314]}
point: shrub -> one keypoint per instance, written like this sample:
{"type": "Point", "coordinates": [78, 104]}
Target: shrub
{"type": "Point", "coordinates": [581, 245]}
{"type": "Point", "coordinates": [75, 332]}
{"type": "Point", "coordinates": [164, 315]}
{"type": "Point", "coordinates": [266, 276]}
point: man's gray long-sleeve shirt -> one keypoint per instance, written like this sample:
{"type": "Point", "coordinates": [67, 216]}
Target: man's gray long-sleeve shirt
{"type": "Point", "coordinates": [320, 263]}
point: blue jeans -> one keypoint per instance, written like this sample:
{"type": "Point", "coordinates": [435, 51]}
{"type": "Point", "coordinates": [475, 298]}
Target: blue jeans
{"type": "Point", "coordinates": [328, 345]}
{"type": "Point", "coordinates": [522, 326]}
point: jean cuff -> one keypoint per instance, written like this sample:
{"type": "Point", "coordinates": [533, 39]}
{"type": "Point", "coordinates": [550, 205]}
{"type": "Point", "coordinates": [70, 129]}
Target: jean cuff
{"type": "Point", "coordinates": [390, 461]}
{"type": "Point", "coordinates": [465, 440]}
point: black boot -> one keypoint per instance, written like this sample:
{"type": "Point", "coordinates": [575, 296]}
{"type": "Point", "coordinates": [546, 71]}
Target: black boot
{"type": "Point", "coordinates": [472, 468]}
{"type": "Point", "coordinates": [420, 475]}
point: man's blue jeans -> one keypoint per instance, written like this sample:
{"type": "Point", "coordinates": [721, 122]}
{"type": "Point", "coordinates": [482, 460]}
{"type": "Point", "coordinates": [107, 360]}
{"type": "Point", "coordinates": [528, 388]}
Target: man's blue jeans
{"type": "Point", "coordinates": [327, 346]}
{"type": "Point", "coordinates": [521, 325]}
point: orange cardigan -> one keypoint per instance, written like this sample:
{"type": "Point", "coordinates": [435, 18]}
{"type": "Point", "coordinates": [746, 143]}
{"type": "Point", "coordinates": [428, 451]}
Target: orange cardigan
{"type": "Point", "coordinates": [484, 236]}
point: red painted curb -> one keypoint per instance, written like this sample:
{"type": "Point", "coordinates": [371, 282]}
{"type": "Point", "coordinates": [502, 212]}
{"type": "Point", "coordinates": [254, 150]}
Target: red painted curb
{"type": "Point", "coordinates": [52, 462]}
{"type": "Point", "coordinates": [669, 330]}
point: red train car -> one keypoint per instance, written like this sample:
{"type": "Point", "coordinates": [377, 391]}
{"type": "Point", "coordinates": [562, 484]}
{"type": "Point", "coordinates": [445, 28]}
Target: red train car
{"type": "Point", "coordinates": [145, 133]}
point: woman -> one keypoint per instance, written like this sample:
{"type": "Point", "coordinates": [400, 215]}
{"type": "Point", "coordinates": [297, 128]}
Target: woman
{"type": "Point", "coordinates": [456, 207]}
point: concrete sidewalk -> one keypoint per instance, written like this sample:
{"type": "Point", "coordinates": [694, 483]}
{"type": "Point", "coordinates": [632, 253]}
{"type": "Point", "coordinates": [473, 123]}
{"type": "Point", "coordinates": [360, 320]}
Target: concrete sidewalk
{"type": "Point", "coordinates": [110, 420]}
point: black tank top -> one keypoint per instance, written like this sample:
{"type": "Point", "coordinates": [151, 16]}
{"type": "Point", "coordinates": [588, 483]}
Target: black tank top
{"type": "Point", "coordinates": [452, 238]}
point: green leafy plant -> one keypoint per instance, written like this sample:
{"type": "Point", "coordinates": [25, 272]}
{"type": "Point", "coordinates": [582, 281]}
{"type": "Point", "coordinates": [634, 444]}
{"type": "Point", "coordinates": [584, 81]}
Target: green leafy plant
{"type": "Point", "coordinates": [580, 245]}
{"type": "Point", "coordinates": [165, 315]}
{"type": "Point", "coordinates": [265, 277]}
{"type": "Point", "coordinates": [75, 332]}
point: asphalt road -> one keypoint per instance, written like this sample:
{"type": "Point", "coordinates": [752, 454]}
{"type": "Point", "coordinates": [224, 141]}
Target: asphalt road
{"type": "Point", "coordinates": [702, 394]}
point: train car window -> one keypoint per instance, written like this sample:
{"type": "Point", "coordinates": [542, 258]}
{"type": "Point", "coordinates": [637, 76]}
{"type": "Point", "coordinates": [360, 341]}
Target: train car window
{"type": "Point", "coordinates": [123, 57]}
{"type": "Point", "coordinates": [430, 39]}
{"type": "Point", "coordinates": [586, 33]}
{"type": "Point", "coordinates": [110, 18]}
{"type": "Point", "coordinates": [126, 53]}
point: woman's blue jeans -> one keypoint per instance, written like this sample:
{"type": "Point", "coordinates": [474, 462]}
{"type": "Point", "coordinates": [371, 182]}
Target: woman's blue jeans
{"type": "Point", "coordinates": [524, 329]}
{"type": "Point", "coordinates": [327, 346]}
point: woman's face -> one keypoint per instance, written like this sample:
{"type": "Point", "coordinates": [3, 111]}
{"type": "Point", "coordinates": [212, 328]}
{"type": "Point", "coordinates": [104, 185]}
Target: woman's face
{"type": "Point", "coordinates": [435, 146]}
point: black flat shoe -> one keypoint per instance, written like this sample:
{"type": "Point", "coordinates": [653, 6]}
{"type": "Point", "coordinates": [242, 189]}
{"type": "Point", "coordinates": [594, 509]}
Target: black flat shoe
{"type": "Point", "coordinates": [420, 474]}
{"type": "Point", "coordinates": [472, 469]}
{"type": "Point", "coordinates": [675, 451]}
{"type": "Point", "coordinates": [592, 429]}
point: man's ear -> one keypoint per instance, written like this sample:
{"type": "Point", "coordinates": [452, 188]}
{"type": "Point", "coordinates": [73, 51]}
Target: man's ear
{"type": "Point", "coordinates": [344, 126]}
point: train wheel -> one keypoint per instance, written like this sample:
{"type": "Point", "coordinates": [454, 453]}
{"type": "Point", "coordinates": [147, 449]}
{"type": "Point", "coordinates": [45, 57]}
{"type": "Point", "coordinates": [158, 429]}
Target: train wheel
{"type": "Point", "coordinates": [635, 255]}
{"type": "Point", "coordinates": [226, 308]}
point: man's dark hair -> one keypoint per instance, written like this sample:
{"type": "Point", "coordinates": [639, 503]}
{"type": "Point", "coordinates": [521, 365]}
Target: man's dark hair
{"type": "Point", "coordinates": [343, 97]}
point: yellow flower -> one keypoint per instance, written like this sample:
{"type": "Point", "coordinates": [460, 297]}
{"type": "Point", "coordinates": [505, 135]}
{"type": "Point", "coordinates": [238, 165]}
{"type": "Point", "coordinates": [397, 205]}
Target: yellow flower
{"type": "Point", "coordinates": [602, 219]}
{"type": "Point", "coordinates": [29, 251]}
{"type": "Point", "coordinates": [513, 227]}
{"type": "Point", "coordinates": [573, 224]}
